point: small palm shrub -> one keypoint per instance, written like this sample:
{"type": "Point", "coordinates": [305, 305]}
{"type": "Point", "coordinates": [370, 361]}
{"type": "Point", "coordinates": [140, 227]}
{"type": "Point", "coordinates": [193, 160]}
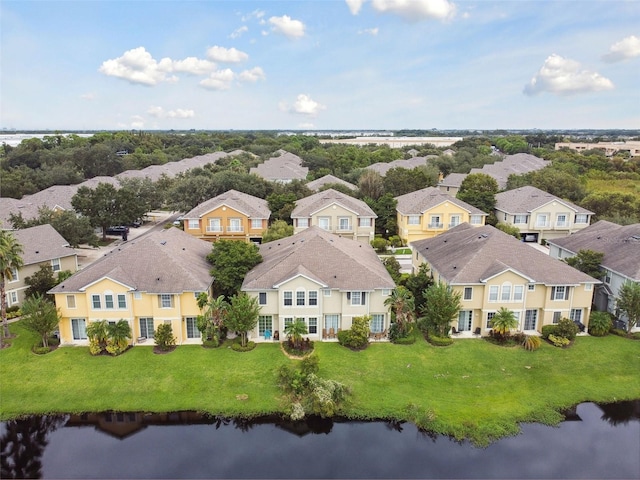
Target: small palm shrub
{"type": "Point", "coordinates": [599, 324]}
{"type": "Point", "coordinates": [164, 338]}
{"type": "Point", "coordinates": [559, 341]}
{"type": "Point", "coordinates": [567, 329]}
{"type": "Point", "coordinates": [531, 342]}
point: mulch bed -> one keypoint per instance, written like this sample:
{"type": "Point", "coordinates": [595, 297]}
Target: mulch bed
{"type": "Point", "coordinates": [157, 350]}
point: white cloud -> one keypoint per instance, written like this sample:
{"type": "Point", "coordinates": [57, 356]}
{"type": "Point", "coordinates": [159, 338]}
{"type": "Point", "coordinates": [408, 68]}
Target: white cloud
{"type": "Point", "coordinates": [252, 75]}
{"type": "Point", "coordinates": [218, 80]}
{"type": "Point", "coordinates": [257, 14]}
{"type": "Point", "coordinates": [287, 26]}
{"type": "Point", "coordinates": [137, 66]}
{"type": "Point", "coordinates": [564, 76]}
{"type": "Point", "coordinates": [193, 66]}
{"type": "Point", "coordinates": [304, 105]}
{"type": "Point", "coordinates": [354, 6]}
{"type": "Point", "coordinates": [415, 10]}
{"type": "Point", "coordinates": [226, 55]}
{"type": "Point", "coordinates": [160, 112]}
{"type": "Point", "coordinates": [137, 122]}
{"type": "Point", "coordinates": [628, 47]}
{"type": "Point", "coordinates": [239, 31]}
{"type": "Point", "coordinates": [369, 31]}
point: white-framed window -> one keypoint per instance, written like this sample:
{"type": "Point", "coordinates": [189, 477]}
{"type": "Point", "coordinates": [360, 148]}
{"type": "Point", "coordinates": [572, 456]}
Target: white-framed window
{"type": "Point", "coordinates": [265, 322]}
{"type": "Point", "coordinates": [518, 293]}
{"type": "Point", "coordinates": [12, 297]}
{"type": "Point", "coordinates": [542, 220]}
{"type": "Point", "coordinates": [256, 223]}
{"type": "Point", "coordinates": [413, 220]}
{"type": "Point", "coordinates": [71, 301]}
{"type": "Point", "coordinates": [324, 223]}
{"type": "Point", "coordinates": [560, 292]}
{"type": "Point", "coordinates": [288, 321]}
{"type": "Point", "coordinates": [435, 221]}
{"type": "Point", "coordinates": [364, 221]}
{"type": "Point", "coordinates": [288, 298]}
{"type": "Point", "coordinates": [468, 293]}
{"type": "Point", "coordinates": [556, 317]}
{"type": "Point", "coordinates": [215, 225]}
{"type": "Point", "coordinates": [55, 264]}
{"type": "Point", "coordinates": [331, 321]}
{"type": "Point", "coordinates": [165, 300]}
{"type": "Point", "coordinates": [581, 218]}
{"type": "Point", "coordinates": [607, 277]}
{"type": "Point", "coordinates": [475, 219]}
{"type": "Point", "coordinates": [344, 223]}
{"type": "Point", "coordinates": [357, 298]}
{"type": "Point", "coordinates": [193, 224]}
{"type": "Point", "coordinates": [313, 298]}
{"type": "Point", "coordinates": [562, 220]}
{"type": "Point", "coordinates": [95, 302]}
{"type": "Point", "coordinates": [377, 323]}
{"type": "Point", "coordinates": [490, 316]}
{"type": "Point", "coordinates": [588, 287]}
{"type": "Point", "coordinates": [465, 319]}
{"type": "Point", "coordinates": [302, 222]}
{"type": "Point", "coordinates": [192, 327]}
{"type": "Point", "coordinates": [235, 225]}
{"type": "Point", "coordinates": [312, 325]}
{"type": "Point", "coordinates": [575, 315]}
{"type": "Point", "coordinates": [146, 327]}
{"type": "Point", "coordinates": [455, 221]}
{"type": "Point", "coordinates": [326, 292]}
{"type": "Point", "coordinates": [530, 319]}
{"type": "Point", "coordinates": [262, 298]}
{"type": "Point", "coordinates": [493, 293]}
{"type": "Point", "coordinates": [519, 219]}
{"type": "Point", "coordinates": [108, 300]}
{"type": "Point", "coordinates": [300, 298]}
{"type": "Point", "coordinates": [386, 292]}
{"type": "Point", "coordinates": [14, 275]}
{"type": "Point", "coordinates": [531, 287]}
{"type": "Point", "coordinates": [137, 295]}
{"type": "Point", "coordinates": [79, 328]}
{"type": "Point", "coordinates": [122, 300]}
{"type": "Point", "coordinates": [505, 294]}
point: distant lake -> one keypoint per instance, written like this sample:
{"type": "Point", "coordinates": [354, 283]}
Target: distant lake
{"type": "Point", "coordinates": [595, 441]}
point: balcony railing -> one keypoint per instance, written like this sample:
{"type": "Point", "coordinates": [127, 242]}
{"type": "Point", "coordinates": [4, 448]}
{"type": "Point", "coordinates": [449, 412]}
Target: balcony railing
{"type": "Point", "coordinates": [564, 224]}
{"type": "Point", "coordinates": [451, 225]}
{"type": "Point", "coordinates": [214, 229]}
{"type": "Point", "coordinates": [235, 229]}
{"type": "Point", "coordinates": [435, 225]}
{"type": "Point", "coordinates": [345, 228]}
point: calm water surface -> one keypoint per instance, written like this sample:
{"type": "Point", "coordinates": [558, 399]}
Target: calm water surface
{"type": "Point", "coordinates": [594, 442]}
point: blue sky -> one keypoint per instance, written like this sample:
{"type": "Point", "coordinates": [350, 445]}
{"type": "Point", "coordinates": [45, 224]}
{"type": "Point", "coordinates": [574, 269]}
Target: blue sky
{"type": "Point", "coordinates": [333, 64]}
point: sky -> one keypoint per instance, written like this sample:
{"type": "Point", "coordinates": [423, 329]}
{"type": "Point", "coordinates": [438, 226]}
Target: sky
{"type": "Point", "coordinates": [319, 65]}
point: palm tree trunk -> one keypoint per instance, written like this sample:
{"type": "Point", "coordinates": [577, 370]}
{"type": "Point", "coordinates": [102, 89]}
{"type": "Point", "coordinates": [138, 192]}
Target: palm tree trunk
{"type": "Point", "coordinates": [3, 310]}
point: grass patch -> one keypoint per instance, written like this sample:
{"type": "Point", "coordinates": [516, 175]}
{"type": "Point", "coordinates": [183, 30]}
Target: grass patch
{"type": "Point", "coordinates": [471, 389]}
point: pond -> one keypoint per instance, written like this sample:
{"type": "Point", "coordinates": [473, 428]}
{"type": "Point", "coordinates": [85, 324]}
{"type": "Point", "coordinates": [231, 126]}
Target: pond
{"type": "Point", "coordinates": [595, 441]}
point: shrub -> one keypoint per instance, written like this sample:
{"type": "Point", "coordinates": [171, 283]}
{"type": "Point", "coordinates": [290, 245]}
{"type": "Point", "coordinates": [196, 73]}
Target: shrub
{"type": "Point", "coordinates": [379, 244]}
{"type": "Point", "coordinates": [531, 342]}
{"type": "Point", "coordinates": [357, 338]}
{"type": "Point", "coordinates": [559, 341]}
{"type": "Point", "coordinates": [599, 324]}
{"type": "Point", "coordinates": [566, 328]}
{"type": "Point", "coordinates": [439, 341]}
{"type": "Point", "coordinates": [238, 347]}
{"type": "Point", "coordinates": [310, 365]}
{"type": "Point", "coordinates": [40, 350]}
{"type": "Point", "coordinates": [164, 337]}
{"type": "Point", "coordinates": [213, 343]}
{"type": "Point", "coordinates": [619, 332]}
{"type": "Point", "coordinates": [548, 330]}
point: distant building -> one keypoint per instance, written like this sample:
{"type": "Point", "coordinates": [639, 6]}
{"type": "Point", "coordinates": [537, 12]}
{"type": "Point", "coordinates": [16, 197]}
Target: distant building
{"type": "Point", "coordinates": [321, 182]}
{"type": "Point", "coordinates": [609, 148]}
{"type": "Point", "coordinates": [283, 168]}
{"type": "Point", "coordinates": [383, 167]}
{"type": "Point", "coordinates": [396, 142]}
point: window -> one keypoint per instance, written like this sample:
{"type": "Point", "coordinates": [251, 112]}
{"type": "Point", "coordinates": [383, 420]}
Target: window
{"type": "Point", "coordinates": [562, 220]}
{"type": "Point", "coordinates": [235, 225]}
{"type": "Point", "coordinates": [146, 327]}
{"type": "Point", "coordinates": [71, 301]}
{"type": "Point", "coordinates": [493, 293]}
{"type": "Point", "coordinates": [465, 317]}
{"type": "Point", "coordinates": [505, 296]}
{"type": "Point", "coordinates": [14, 275]}
{"type": "Point", "coordinates": [435, 221]}
{"type": "Point", "coordinates": [326, 292]}
{"type": "Point", "coordinates": [357, 298]}
{"type": "Point", "coordinates": [386, 292]}
{"type": "Point", "coordinates": [530, 318]}
{"type": "Point", "coordinates": [575, 315]}
{"type": "Point", "coordinates": [475, 219]}
{"type": "Point", "coordinates": [256, 223]}
{"type": "Point", "coordinates": [287, 321]}
{"type": "Point", "coordinates": [531, 287]}
{"type": "Point", "coordinates": [581, 218]}
{"type": "Point", "coordinates": [518, 293]}
{"type": "Point", "coordinates": [288, 299]}
{"type": "Point", "coordinates": [607, 277]}
{"type": "Point", "coordinates": [542, 220]}
{"type": "Point", "coordinates": [303, 222]}
{"type": "Point", "coordinates": [55, 264]}
{"type": "Point", "coordinates": [192, 327]}
{"type": "Point", "coordinates": [313, 326]}
{"type": "Point", "coordinates": [95, 301]}
{"type": "Point", "coordinates": [166, 300]}
{"type": "Point", "coordinates": [13, 297]}
{"type": "Point", "coordinates": [557, 316]}
{"type": "Point", "coordinates": [365, 222]}
{"type": "Point", "coordinates": [262, 298]}
{"type": "Point", "coordinates": [455, 221]}
{"type": "Point", "coordinates": [519, 219]}
{"type": "Point", "coordinates": [313, 298]}
{"type": "Point", "coordinates": [331, 321]}
{"type": "Point", "coordinates": [377, 323]}
{"type": "Point", "coordinates": [588, 287]}
{"type": "Point", "coordinates": [300, 296]}
{"type": "Point", "coordinates": [193, 225]}
{"type": "Point", "coordinates": [560, 293]}
{"type": "Point", "coordinates": [344, 223]}
{"type": "Point", "coordinates": [413, 220]}
{"type": "Point", "coordinates": [214, 225]}
{"type": "Point", "coordinates": [490, 316]}
{"type": "Point", "coordinates": [108, 300]}
{"type": "Point", "coordinates": [324, 223]}
{"type": "Point", "coordinates": [137, 295]}
{"type": "Point", "coordinates": [122, 300]}
{"type": "Point", "coordinates": [79, 328]}
{"type": "Point", "coordinates": [265, 322]}
{"type": "Point", "coordinates": [468, 293]}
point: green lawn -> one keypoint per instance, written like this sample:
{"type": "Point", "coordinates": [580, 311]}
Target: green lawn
{"type": "Point", "coordinates": [472, 389]}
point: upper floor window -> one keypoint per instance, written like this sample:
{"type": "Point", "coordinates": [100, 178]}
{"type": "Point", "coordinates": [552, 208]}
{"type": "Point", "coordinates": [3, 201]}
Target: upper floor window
{"type": "Point", "coordinates": [344, 223]}
{"type": "Point", "coordinates": [435, 221]}
{"type": "Point", "coordinates": [505, 295]}
{"type": "Point", "coordinates": [165, 300]}
{"type": "Point", "coordinates": [581, 218]}
{"type": "Point", "coordinates": [468, 293]}
{"type": "Point", "coordinates": [324, 223]}
{"type": "Point", "coordinates": [607, 276]}
{"type": "Point", "coordinates": [518, 293]}
{"type": "Point", "coordinates": [493, 293]}
{"type": "Point", "coordinates": [475, 219]}
{"type": "Point", "coordinates": [560, 292]}
{"type": "Point", "coordinates": [55, 264]}
{"type": "Point", "coordinates": [122, 300]}
{"type": "Point", "coordinates": [519, 219]}
{"type": "Point", "coordinates": [562, 220]}
{"type": "Point", "coordinates": [455, 221]}
{"type": "Point", "coordinates": [193, 224]}
{"type": "Point", "coordinates": [313, 297]}
{"type": "Point", "coordinates": [214, 225]}
{"type": "Point", "coordinates": [365, 222]}
{"type": "Point", "coordinates": [71, 301]}
{"type": "Point", "coordinates": [95, 302]}
{"type": "Point", "coordinates": [14, 275]}
{"type": "Point", "coordinates": [235, 225]}
{"type": "Point", "coordinates": [288, 299]}
{"type": "Point", "coordinates": [303, 222]}
{"type": "Point", "coordinates": [531, 287]}
{"type": "Point", "coordinates": [413, 220]}
{"type": "Point", "coordinates": [300, 296]}
{"type": "Point", "coordinates": [357, 298]}
{"type": "Point", "coordinates": [108, 300]}
{"type": "Point", "coordinates": [262, 298]}
{"type": "Point", "coordinates": [256, 223]}
{"type": "Point", "coordinates": [542, 220]}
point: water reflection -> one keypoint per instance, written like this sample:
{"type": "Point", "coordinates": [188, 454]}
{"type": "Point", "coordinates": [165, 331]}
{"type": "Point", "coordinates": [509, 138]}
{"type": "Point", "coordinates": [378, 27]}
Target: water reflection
{"type": "Point", "coordinates": [595, 444]}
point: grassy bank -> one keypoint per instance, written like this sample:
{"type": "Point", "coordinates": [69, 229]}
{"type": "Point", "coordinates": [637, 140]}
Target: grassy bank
{"type": "Point", "coordinates": [472, 389]}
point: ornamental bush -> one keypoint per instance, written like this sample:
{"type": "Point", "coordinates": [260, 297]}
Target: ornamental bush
{"type": "Point", "coordinates": [164, 337]}
{"type": "Point", "coordinates": [548, 330]}
{"type": "Point", "coordinates": [559, 341]}
{"type": "Point", "coordinates": [567, 329]}
{"type": "Point", "coordinates": [357, 338]}
{"type": "Point", "coordinates": [599, 324]}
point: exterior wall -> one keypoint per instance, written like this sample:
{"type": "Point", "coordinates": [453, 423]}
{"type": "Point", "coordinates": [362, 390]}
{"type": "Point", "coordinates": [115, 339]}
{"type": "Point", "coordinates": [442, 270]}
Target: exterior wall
{"type": "Point", "coordinates": [329, 302]}
{"type": "Point", "coordinates": [334, 213]}
{"type": "Point", "coordinates": [15, 289]}
{"type": "Point", "coordinates": [146, 306]}
{"type": "Point", "coordinates": [225, 214]}
{"type": "Point", "coordinates": [449, 189]}
{"type": "Point", "coordinates": [426, 229]}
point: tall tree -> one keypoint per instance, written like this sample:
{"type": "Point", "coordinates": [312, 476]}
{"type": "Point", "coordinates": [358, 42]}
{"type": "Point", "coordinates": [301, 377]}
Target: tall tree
{"type": "Point", "coordinates": [418, 283]}
{"type": "Point", "coordinates": [371, 185]}
{"type": "Point", "coordinates": [242, 315]}
{"type": "Point", "coordinates": [10, 260]}
{"type": "Point", "coordinates": [441, 306]}
{"type": "Point", "coordinates": [587, 261]}
{"type": "Point", "coordinates": [231, 260]}
{"type": "Point", "coordinates": [41, 316]}
{"type": "Point", "coordinates": [402, 307]}
{"type": "Point", "coordinates": [41, 282]}
{"type": "Point", "coordinates": [100, 205]}
{"type": "Point", "coordinates": [479, 190]}
{"type": "Point", "coordinates": [628, 302]}
{"type": "Point", "coordinates": [277, 230]}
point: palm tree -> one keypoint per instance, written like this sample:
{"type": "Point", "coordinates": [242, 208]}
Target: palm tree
{"type": "Point", "coordinates": [295, 331]}
{"type": "Point", "coordinates": [402, 304]}
{"type": "Point", "coordinates": [98, 333]}
{"type": "Point", "coordinates": [10, 260]}
{"type": "Point", "coordinates": [214, 311]}
{"type": "Point", "coordinates": [118, 336]}
{"type": "Point", "coordinates": [503, 321]}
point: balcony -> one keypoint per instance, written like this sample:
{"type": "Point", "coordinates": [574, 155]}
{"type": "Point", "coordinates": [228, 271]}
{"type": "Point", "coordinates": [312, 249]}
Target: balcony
{"type": "Point", "coordinates": [435, 225]}
{"type": "Point", "coordinates": [451, 225]}
{"type": "Point", "coordinates": [345, 228]}
{"type": "Point", "coordinates": [214, 229]}
{"type": "Point", "coordinates": [235, 229]}
{"type": "Point", "coordinates": [564, 224]}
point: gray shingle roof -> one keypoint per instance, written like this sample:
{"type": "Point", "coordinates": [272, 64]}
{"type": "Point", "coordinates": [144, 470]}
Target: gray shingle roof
{"type": "Point", "coordinates": [620, 245]}
{"type": "Point", "coordinates": [512, 164]}
{"type": "Point", "coordinates": [453, 180]}
{"type": "Point", "coordinates": [466, 254]}
{"type": "Point", "coordinates": [333, 261]}
{"type": "Point", "coordinates": [164, 261]}
{"type": "Point", "coordinates": [305, 207]}
{"type": "Point", "coordinates": [416, 203]}
{"type": "Point", "coordinates": [525, 199]}
{"type": "Point", "coordinates": [41, 244]}
{"type": "Point", "coordinates": [252, 207]}
{"type": "Point", "coordinates": [284, 167]}
{"type": "Point", "coordinates": [383, 167]}
{"type": "Point", "coordinates": [318, 183]}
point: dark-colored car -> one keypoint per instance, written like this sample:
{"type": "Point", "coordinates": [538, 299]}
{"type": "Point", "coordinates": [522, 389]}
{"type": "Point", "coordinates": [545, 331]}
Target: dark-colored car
{"type": "Point", "coordinates": [118, 230]}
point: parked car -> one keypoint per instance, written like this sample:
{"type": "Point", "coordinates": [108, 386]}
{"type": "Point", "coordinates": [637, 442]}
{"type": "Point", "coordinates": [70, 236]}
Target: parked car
{"type": "Point", "coordinates": [117, 230]}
